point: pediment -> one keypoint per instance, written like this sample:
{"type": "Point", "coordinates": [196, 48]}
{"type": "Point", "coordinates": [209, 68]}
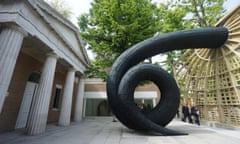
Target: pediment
{"type": "Point", "coordinates": [63, 28]}
{"type": "Point", "coordinates": [45, 24]}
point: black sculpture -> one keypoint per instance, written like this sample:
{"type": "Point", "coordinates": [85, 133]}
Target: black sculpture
{"type": "Point", "coordinates": [126, 73]}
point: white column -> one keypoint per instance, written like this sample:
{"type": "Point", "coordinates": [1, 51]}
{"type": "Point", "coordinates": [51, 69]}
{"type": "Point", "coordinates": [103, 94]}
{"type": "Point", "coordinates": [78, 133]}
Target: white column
{"type": "Point", "coordinates": [84, 107]}
{"type": "Point", "coordinates": [11, 39]}
{"type": "Point", "coordinates": [39, 112]}
{"type": "Point", "coordinates": [78, 113]}
{"type": "Point", "coordinates": [154, 102]}
{"type": "Point", "coordinates": [65, 113]}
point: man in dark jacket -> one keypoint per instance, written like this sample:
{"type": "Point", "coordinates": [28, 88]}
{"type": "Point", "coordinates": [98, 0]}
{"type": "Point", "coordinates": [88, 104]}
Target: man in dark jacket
{"type": "Point", "coordinates": [186, 113]}
{"type": "Point", "coordinates": [195, 114]}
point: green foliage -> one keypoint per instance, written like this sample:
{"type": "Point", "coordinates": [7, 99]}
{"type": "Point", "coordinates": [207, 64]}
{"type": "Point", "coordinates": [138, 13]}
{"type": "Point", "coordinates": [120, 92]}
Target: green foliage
{"type": "Point", "coordinates": [61, 7]}
{"type": "Point", "coordinates": [172, 17]}
{"type": "Point", "coordinates": [205, 13]}
{"type": "Point", "coordinates": [112, 26]}
{"type": "Point", "coordinates": [185, 14]}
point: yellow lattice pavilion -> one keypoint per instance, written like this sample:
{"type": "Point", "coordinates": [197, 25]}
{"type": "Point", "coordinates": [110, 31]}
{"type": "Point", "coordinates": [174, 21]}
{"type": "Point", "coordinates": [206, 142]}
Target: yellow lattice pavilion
{"type": "Point", "coordinates": [211, 78]}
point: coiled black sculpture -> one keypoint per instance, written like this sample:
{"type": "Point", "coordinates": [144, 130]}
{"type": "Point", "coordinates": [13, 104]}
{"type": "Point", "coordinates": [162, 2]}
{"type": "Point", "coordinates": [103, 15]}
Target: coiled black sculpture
{"type": "Point", "coordinates": [126, 73]}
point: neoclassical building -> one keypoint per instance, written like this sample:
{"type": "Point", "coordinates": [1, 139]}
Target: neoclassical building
{"type": "Point", "coordinates": [42, 63]}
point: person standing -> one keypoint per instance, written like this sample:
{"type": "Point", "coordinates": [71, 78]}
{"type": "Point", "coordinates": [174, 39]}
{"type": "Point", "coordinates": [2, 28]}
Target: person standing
{"type": "Point", "coordinates": [186, 114]}
{"type": "Point", "coordinates": [195, 113]}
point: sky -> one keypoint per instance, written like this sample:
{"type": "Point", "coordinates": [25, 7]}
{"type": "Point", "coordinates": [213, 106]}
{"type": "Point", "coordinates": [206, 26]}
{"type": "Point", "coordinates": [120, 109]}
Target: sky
{"type": "Point", "coordinates": [79, 7]}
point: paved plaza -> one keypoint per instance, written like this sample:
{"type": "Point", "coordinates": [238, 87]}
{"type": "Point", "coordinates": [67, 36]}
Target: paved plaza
{"type": "Point", "coordinates": [104, 131]}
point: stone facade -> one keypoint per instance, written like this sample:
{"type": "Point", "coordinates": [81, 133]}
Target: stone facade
{"type": "Point", "coordinates": [38, 47]}
{"type": "Point", "coordinates": [42, 64]}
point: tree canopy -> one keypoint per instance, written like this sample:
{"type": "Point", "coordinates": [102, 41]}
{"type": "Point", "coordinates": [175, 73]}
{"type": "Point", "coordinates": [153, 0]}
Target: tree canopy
{"type": "Point", "coordinates": [112, 26]}
{"type": "Point", "coordinates": [205, 13]}
{"type": "Point", "coordinates": [61, 7]}
{"type": "Point", "coordinates": [186, 14]}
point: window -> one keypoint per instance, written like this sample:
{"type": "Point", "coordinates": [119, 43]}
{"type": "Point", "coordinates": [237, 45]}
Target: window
{"type": "Point", "coordinates": [57, 96]}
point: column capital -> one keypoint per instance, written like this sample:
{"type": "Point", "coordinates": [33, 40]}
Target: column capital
{"type": "Point", "coordinates": [15, 27]}
{"type": "Point", "coordinates": [71, 69]}
{"type": "Point", "coordinates": [52, 54]}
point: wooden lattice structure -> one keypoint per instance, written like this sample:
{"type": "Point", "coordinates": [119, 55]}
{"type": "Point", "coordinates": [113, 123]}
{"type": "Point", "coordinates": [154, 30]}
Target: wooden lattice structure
{"type": "Point", "coordinates": [212, 77]}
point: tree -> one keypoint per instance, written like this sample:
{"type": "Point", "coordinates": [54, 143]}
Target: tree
{"type": "Point", "coordinates": [205, 13]}
{"type": "Point", "coordinates": [185, 14]}
{"type": "Point", "coordinates": [61, 7]}
{"type": "Point", "coordinates": [112, 26]}
{"type": "Point", "coordinates": [172, 18]}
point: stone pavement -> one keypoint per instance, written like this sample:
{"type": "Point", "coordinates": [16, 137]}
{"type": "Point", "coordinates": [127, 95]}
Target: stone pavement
{"type": "Point", "coordinates": [104, 131]}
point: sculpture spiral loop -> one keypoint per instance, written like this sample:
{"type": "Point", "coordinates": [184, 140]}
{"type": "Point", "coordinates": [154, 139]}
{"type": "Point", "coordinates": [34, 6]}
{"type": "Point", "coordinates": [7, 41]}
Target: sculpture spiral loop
{"type": "Point", "coordinates": [126, 73]}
